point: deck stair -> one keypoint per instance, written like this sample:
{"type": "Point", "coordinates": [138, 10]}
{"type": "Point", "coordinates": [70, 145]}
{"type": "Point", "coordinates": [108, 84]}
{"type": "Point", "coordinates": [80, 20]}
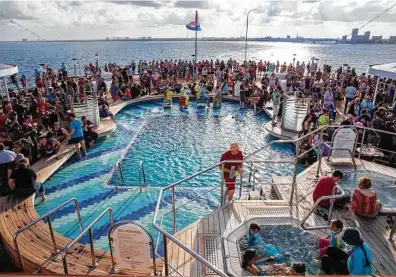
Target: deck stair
{"type": "Point", "coordinates": [36, 246]}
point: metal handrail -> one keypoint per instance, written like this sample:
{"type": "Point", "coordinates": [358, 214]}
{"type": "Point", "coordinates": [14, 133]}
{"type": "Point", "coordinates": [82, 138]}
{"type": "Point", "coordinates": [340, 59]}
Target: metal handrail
{"type": "Point", "coordinates": [89, 230]}
{"type": "Point", "coordinates": [332, 199]}
{"type": "Point", "coordinates": [118, 166]}
{"type": "Point", "coordinates": [177, 242]}
{"type": "Point", "coordinates": [172, 187]}
{"type": "Point", "coordinates": [48, 217]}
{"type": "Point", "coordinates": [142, 173]}
{"type": "Point", "coordinates": [167, 235]}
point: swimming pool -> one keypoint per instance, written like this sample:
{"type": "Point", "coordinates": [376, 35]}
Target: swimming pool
{"type": "Point", "coordinates": [172, 144]}
{"type": "Point", "coordinates": [382, 184]}
{"type": "Point", "coordinates": [300, 245]}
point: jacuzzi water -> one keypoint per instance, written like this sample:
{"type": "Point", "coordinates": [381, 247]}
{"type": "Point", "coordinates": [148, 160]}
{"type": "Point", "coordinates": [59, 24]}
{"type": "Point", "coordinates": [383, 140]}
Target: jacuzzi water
{"type": "Point", "coordinates": [299, 244]}
{"type": "Point", "coordinates": [172, 144]}
{"type": "Point", "coordinates": [382, 185]}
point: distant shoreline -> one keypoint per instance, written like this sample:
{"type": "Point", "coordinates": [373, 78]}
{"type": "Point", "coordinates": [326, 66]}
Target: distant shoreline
{"type": "Point", "coordinates": [290, 40]}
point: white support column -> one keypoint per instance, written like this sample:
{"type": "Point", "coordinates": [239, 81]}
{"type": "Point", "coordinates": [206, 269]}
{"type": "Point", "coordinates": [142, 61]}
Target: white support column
{"type": "Point", "coordinates": [6, 88]}
{"type": "Point", "coordinates": [376, 90]}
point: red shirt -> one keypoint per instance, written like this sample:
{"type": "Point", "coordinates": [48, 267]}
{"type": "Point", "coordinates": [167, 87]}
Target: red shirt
{"type": "Point", "coordinates": [227, 156]}
{"type": "Point", "coordinates": [363, 204]}
{"type": "Point", "coordinates": [324, 187]}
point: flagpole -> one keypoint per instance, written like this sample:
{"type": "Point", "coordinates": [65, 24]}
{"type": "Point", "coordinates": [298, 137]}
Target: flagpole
{"type": "Point", "coordinates": [196, 44]}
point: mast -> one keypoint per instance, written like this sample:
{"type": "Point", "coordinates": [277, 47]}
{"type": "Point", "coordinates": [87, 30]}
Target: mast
{"type": "Point", "coordinates": [196, 44]}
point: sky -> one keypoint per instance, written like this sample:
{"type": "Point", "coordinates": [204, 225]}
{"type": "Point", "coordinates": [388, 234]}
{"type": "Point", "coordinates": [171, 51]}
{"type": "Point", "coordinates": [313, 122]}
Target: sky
{"type": "Point", "coordinates": [57, 20]}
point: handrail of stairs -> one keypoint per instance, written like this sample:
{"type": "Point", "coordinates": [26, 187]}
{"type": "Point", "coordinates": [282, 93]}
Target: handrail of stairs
{"type": "Point", "coordinates": [48, 217]}
{"type": "Point", "coordinates": [89, 230]}
{"type": "Point", "coordinates": [332, 199]}
{"type": "Point", "coordinates": [142, 174]}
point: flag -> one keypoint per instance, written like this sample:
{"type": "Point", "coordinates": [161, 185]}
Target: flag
{"type": "Point", "coordinates": [194, 25]}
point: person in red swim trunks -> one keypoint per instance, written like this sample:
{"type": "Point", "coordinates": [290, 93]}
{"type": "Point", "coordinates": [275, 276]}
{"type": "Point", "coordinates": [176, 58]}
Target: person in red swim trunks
{"type": "Point", "coordinates": [231, 169]}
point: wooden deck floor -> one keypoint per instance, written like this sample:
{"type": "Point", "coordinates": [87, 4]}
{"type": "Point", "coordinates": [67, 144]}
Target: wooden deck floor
{"type": "Point", "coordinates": [229, 217]}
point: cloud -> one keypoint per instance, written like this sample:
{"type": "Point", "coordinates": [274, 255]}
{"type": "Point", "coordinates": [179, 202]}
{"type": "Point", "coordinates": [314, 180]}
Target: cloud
{"type": "Point", "coordinates": [192, 4]}
{"type": "Point", "coordinates": [86, 19]}
{"type": "Point", "coordinates": [14, 10]}
{"type": "Point", "coordinates": [152, 4]}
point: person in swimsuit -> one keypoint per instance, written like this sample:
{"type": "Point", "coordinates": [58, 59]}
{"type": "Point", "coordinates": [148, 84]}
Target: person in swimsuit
{"type": "Point", "coordinates": [231, 169]}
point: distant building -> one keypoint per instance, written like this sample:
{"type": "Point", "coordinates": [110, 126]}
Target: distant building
{"type": "Point", "coordinates": [355, 33]}
{"type": "Point", "coordinates": [107, 38]}
{"type": "Point", "coordinates": [24, 40]}
{"type": "Point", "coordinates": [392, 39]}
{"type": "Point", "coordinates": [376, 38]}
{"type": "Point", "coordinates": [364, 38]}
{"type": "Point", "coordinates": [344, 37]}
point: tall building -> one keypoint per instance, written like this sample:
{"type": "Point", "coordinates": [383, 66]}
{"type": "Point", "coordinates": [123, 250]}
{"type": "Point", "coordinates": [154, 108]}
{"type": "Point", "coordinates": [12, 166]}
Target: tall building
{"type": "Point", "coordinates": [376, 38]}
{"type": "Point", "coordinates": [355, 33]}
{"type": "Point", "coordinates": [366, 35]}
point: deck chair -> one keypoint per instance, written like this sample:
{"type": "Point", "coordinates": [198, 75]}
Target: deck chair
{"type": "Point", "coordinates": [342, 146]}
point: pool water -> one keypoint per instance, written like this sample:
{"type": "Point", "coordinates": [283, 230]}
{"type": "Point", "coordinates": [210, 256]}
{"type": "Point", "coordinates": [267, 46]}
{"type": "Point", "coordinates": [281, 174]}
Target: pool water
{"type": "Point", "coordinates": [299, 244]}
{"type": "Point", "coordinates": [382, 185]}
{"type": "Point", "coordinates": [172, 144]}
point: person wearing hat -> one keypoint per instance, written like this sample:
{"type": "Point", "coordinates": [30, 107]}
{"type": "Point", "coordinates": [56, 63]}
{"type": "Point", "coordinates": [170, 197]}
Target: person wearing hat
{"type": "Point", "coordinates": [357, 262]}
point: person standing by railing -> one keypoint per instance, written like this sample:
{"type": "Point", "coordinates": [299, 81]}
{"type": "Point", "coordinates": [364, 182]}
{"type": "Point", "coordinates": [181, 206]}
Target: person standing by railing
{"type": "Point", "coordinates": [231, 170]}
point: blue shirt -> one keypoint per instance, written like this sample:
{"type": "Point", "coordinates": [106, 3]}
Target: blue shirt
{"type": "Point", "coordinates": [350, 92]}
{"type": "Point", "coordinates": [357, 261]}
{"type": "Point", "coordinates": [77, 126]}
{"type": "Point", "coordinates": [114, 89]}
{"type": "Point", "coordinates": [367, 105]}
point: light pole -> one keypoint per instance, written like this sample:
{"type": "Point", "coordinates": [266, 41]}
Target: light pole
{"type": "Point", "coordinates": [97, 62]}
{"type": "Point", "coordinates": [247, 27]}
{"type": "Point", "coordinates": [75, 68]}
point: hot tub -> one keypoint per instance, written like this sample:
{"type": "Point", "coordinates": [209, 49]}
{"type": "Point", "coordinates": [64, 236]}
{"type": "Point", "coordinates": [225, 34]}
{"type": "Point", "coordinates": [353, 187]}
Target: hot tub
{"type": "Point", "coordinates": [282, 232]}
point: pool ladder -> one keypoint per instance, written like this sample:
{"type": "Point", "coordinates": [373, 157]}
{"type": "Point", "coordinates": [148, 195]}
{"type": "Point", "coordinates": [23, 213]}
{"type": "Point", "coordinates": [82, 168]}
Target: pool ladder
{"type": "Point", "coordinates": [141, 174]}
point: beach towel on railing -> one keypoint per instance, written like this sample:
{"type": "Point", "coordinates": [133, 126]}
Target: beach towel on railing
{"type": "Point", "coordinates": [343, 138]}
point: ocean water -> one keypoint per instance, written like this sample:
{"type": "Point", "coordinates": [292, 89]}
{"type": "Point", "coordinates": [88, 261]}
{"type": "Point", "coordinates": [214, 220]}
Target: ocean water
{"type": "Point", "coordinates": [31, 54]}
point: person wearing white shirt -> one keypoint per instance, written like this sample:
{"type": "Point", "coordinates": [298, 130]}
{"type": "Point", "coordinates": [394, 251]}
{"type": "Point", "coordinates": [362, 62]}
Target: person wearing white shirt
{"type": "Point", "coordinates": [237, 88]}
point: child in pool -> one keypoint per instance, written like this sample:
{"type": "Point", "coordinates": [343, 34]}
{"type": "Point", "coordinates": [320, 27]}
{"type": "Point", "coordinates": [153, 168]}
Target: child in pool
{"type": "Point", "coordinates": [333, 239]}
{"type": "Point", "coordinates": [255, 241]}
{"type": "Point", "coordinates": [251, 261]}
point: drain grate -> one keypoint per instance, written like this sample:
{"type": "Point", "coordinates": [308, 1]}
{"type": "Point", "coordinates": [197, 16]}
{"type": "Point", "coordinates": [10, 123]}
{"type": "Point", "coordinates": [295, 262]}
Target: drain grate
{"type": "Point", "coordinates": [211, 253]}
{"type": "Point", "coordinates": [267, 211]}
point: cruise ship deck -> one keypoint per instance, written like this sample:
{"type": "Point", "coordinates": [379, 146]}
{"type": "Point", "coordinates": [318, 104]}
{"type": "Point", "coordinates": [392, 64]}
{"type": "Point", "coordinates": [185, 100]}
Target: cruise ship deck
{"type": "Point", "coordinates": [206, 236]}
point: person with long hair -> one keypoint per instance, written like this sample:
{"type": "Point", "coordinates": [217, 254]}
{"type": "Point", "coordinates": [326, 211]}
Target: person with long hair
{"type": "Point", "coordinates": [357, 262]}
{"type": "Point", "coordinates": [364, 200]}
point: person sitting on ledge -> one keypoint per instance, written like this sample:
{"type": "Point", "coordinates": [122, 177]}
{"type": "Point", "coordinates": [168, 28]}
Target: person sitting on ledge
{"type": "Point", "coordinates": [364, 200]}
{"type": "Point", "coordinates": [325, 186]}
{"type": "Point", "coordinates": [23, 181]}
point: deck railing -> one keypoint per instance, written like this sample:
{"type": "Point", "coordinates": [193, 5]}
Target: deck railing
{"type": "Point", "coordinates": [334, 196]}
{"type": "Point", "coordinates": [47, 216]}
{"type": "Point", "coordinates": [91, 242]}
{"type": "Point", "coordinates": [250, 162]}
